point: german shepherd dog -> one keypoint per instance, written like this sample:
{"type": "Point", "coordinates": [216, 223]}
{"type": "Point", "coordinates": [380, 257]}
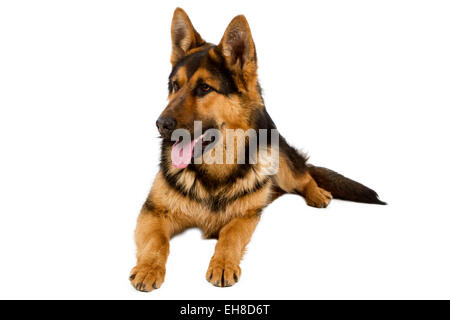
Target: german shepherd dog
{"type": "Point", "coordinates": [218, 85]}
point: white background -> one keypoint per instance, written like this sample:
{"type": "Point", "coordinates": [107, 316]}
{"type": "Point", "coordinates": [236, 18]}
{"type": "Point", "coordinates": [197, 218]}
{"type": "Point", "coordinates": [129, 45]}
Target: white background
{"type": "Point", "coordinates": [362, 86]}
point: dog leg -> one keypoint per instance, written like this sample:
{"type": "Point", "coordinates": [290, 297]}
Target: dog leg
{"type": "Point", "coordinates": [152, 241]}
{"type": "Point", "coordinates": [314, 195]}
{"type": "Point", "coordinates": [293, 176]}
{"type": "Point", "coordinates": [302, 183]}
{"type": "Point", "coordinates": [224, 270]}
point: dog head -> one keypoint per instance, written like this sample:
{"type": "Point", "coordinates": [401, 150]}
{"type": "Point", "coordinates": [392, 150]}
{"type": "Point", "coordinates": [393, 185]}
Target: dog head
{"type": "Point", "coordinates": [214, 84]}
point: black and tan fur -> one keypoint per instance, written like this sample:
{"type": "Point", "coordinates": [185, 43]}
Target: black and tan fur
{"type": "Point", "coordinates": [219, 86]}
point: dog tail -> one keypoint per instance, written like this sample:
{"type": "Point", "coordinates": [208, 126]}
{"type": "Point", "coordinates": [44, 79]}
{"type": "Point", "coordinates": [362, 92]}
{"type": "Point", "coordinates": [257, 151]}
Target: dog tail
{"type": "Point", "coordinates": [343, 188]}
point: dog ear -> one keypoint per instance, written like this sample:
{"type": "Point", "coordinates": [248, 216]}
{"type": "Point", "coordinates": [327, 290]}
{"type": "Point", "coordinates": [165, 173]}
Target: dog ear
{"type": "Point", "coordinates": [184, 36]}
{"type": "Point", "coordinates": [238, 48]}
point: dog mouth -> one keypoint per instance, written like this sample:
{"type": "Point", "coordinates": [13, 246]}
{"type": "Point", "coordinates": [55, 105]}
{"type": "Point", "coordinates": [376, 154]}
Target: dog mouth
{"type": "Point", "coordinates": [183, 152]}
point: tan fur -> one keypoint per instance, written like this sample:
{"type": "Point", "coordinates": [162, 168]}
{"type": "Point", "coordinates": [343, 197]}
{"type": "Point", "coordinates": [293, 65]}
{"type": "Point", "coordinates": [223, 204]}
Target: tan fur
{"type": "Point", "coordinates": [184, 212]}
{"type": "Point", "coordinates": [303, 184]}
{"type": "Point", "coordinates": [184, 36]}
{"type": "Point", "coordinates": [152, 241]}
{"type": "Point", "coordinates": [237, 28]}
{"type": "Point", "coordinates": [224, 270]}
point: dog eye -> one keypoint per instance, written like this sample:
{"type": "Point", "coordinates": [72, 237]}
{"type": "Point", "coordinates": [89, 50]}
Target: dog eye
{"type": "Point", "coordinates": [175, 86]}
{"type": "Point", "coordinates": [204, 89]}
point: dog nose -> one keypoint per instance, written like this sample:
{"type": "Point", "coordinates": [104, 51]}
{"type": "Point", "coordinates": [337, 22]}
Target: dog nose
{"type": "Point", "coordinates": [166, 125]}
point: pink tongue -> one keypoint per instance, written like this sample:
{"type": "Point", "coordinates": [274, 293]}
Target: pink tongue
{"type": "Point", "coordinates": [182, 154]}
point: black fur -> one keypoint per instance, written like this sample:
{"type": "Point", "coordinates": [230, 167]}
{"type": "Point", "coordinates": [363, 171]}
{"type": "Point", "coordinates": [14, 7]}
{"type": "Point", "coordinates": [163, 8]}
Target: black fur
{"type": "Point", "coordinates": [342, 187]}
{"type": "Point", "coordinates": [201, 58]}
{"type": "Point", "coordinates": [217, 202]}
{"type": "Point", "coordinates": [296, 159]}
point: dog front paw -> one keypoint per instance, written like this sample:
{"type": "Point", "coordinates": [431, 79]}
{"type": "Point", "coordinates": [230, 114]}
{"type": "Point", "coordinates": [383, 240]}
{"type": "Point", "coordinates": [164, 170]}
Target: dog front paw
{"type": "Point", "coordinates": [223, 273]}
{"type": "Point", "coordinates": [146, 277]}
